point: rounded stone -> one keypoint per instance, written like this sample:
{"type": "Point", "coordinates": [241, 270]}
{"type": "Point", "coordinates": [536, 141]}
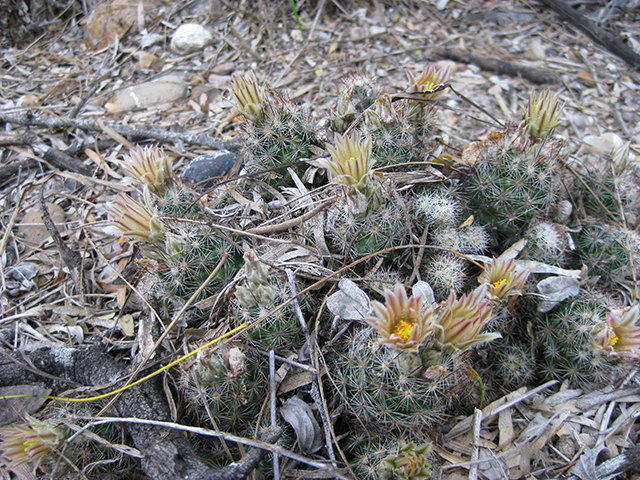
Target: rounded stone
{"type": "Point", "coordinates": [209, 166]}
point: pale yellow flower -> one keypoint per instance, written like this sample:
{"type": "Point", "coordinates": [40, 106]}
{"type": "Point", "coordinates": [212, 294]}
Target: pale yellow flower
{"type": "Point", "coordinates": [350, 162]}
{"type": "Point", "coordinates": [543, 114]}
{"type": "Point", "coordinates": [135, 221]}
{"type": "Point", "coordinates": [460, 320]}
{"type": "Point", "coordinates": [30, 442]}
{"type": "Point", "coordinates": [149, 167]}
{"type": "Point", "coordinates": [402, 322]}
{"type": "Point", "coordinates": [503, 279]}
{"type": "Point", "coordinates": [249, 96]}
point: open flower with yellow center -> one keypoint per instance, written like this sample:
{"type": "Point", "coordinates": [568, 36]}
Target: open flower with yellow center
{"type": "Point", "coordinates": [149, 167]}
{"type": "Point", "coordinates": [460, 321]}
{"type": "Point", "coordinates": [432, 79]}
{"type": "Point", "coordinates": [619, 334]}
{"type": "Point", "coordinates": [402, 322]}
{"type": "Point", "coordinates": [503, 278]}
{"type": "Point", "coordinates": [543, 114]}
{"type": "Point", "coordinates": [248, 95]}
{"type": "Point", "coordinates": [350, 162]}
{"type": "Point", "coordinates": [135, 221]}
{"type": "Point", "coordinates": [31, 442]}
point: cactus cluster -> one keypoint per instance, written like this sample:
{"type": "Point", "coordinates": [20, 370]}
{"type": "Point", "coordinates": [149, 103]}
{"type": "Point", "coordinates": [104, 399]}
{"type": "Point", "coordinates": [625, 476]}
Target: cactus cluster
{"type": "Point", "coordinates": [417, 356]}
{"type": "Point", "coordinates": [277, 132]}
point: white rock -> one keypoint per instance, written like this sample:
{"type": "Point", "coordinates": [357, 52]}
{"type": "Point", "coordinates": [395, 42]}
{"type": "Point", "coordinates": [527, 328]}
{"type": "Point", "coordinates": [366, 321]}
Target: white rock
{"type": "Point", "coordinates": [601, 144]}
{"type": "Point", "coordinates": [189, 38]}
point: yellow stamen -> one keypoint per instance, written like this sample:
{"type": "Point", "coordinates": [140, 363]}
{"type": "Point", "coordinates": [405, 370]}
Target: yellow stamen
{"type": "Point", "coordinates": [499, 283]}
{"type": "Point", "coordinates": [353, 159]}
{"type": "Point", "coordinates": [613, 340]}
{"type": "Point", "coordinates": [403, 330]}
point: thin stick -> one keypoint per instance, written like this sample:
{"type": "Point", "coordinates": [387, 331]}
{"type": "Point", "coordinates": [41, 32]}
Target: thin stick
{"type": "Point", "coordinates": [227, 436]}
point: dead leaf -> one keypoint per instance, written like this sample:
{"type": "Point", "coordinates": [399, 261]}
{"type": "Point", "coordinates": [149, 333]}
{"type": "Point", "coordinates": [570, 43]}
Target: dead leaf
{"type": "Point", "coordinates": [350, 302]}
{"type": "Point", "coordinates": [300, 416]}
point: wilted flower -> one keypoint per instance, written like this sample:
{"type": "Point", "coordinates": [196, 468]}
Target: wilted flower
{"type": "Point", "coordinates": [249, 96]}
{"type": "Point", "coordinates": [136, 221]}
{"type": "Point", "coordinates": [256, 290]}
{"type": "Point", "coordinates": [150, 167]}
{"type": "Point", "coordinates": [31, 442]}
{"type": "Point", "coordinates": [411, 463]}
{"type": "Point", "coordinates": [619, 333]}
{"type": "Point", "coordinates": [503, 279]}
{"type": "Point", "coordinates": [381, 113]}
{"type": "Point", "coordinates": [432, 79]}
{"type": "Point", "coordinates": [402, 322]}
{"type": "Point", "coordinates": [461, 320]}
{"type": "Point", "coordinates": [542, 115]}
{"type": "Point", "coordinates": [350, 161]}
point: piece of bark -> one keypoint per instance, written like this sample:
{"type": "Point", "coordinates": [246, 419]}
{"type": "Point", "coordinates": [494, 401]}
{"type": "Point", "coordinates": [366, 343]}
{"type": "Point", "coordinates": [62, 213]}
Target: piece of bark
{"type": "Point", "coordinates": [497, 66]}
{"type": "Point", "coordinates": [7, 172]}
{"type": "Point", "coordinates": [64, 162]}
{"type": "Point", "coordinates": [598, 35]}
{"type": "Point", "coordinates": [167, 454]}
{"type": "Point", "coordinates": [12, 138]}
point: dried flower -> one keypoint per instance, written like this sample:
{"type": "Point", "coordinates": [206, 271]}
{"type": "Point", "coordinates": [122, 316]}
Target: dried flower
{"type": "Point", "coordinates": [150, 167]}
{"type": "Point", "coordinates": [619, 334]}
{"type": "Point", "coordinates": [542, 115]}
{"type": "Point", "coordinates": [248, 95]}
{"type": "Point", "coordinates": [411, 463]}
{"type": "Point", "coordinates": [433, 80]}
{"type": "Point", "coordinates": [256, 271]}
{"type": "Point", "coordinates": [503, 278]}
{"type": "Point", "coordinates": [256, 290]}
{"type": "Point", "coordinates": [402, 322]}
{"type": "Point", "coordinates": [136, 221]}
{"type": "Point", "coordinates": [381, 113]}
{"type": "Point", "coordinates": [461, 320]}
{"type": "Point", "coordinates": [31, 442]}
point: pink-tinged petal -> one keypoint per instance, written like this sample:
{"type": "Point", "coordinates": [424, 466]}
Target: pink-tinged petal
{"type": "Point", "coordinates": [402, 322]}
{"type": "Point", "coordinates": [431, 82]}
{"type": "Point", "coordinates": [619, 334]}
{"type": "Point", "coordinates": [150, 167]}
{"type": "Point", "coordinates": [136, 221]}
{"type": "Point", "coordinates": [248, 95]}
{"type": "Point", "coordinates": [461, 320]}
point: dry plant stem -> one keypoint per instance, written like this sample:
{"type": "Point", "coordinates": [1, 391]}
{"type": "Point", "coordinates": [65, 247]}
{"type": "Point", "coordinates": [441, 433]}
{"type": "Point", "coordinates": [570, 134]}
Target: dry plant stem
{"type": "Point", "coordinates": [595, 197]}
{"type": "Point", "coordinates": [497, 407]}
{"type": "Point", "coordinates": [71, 258]}
{"type": "Point", "coordinates": [615, 466]}
{"type": "Point", "coordinates": [167, 454]}
{"type": "Point", "coordinates": [290, 223]}
{"type": "Point", "coordinates": [272, 407]}
{"type": "Point", "coordinates": [477, 423]}
{"type": "Point", "coordinates": [257, 444]}
{"type": "Point", "coordinates": [7, 232]}
{"type": "Point", "coordinates": [315, 386]}
{"type": "Point", "coordinates": [498, 66]}
{"type": "Point", "coordinates": [173, 323]}
{"type": "Point", "coordinates": [30, 119]}
{"type": "Point", "coordinates": [635, 292]}
{"type": "Point", "coordinates": [598, 35]}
